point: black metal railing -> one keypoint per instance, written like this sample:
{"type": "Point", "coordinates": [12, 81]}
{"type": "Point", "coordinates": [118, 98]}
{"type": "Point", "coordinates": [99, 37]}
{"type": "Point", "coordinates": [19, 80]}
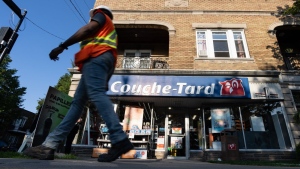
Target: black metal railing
{"type": "Point", "coordinates": [143, 63]}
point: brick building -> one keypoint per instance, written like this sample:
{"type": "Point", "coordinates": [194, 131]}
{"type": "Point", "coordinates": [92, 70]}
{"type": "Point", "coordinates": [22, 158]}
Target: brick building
{"type": "Point", "coordinates": [200, 69]}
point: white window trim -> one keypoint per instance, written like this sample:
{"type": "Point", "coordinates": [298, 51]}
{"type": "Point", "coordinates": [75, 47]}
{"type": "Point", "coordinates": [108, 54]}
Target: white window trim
{"type": "Point", "coordinates": [230, 40]}
{"type": "Point", "coordinates": [137, 52]}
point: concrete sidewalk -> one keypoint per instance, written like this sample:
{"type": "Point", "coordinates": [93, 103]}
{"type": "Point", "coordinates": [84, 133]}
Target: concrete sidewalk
{"type": "Point", "coordinates": [91, 163]}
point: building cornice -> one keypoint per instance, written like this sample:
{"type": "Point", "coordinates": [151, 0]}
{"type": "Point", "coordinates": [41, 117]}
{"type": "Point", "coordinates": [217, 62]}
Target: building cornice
{"type": "Point", "coordinates": [192, 12]}
{"type": "Point", "coordinates": [187, 72]}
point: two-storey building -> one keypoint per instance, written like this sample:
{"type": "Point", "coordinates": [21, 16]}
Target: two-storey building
{"type": "Point", "coordinates": [199, 67]}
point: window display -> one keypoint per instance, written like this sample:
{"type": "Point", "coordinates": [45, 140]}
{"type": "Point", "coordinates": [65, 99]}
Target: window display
{"type": "Point", "coordinates": [256, 125]}
{"type": "Point", "coordinates": [220, 120]}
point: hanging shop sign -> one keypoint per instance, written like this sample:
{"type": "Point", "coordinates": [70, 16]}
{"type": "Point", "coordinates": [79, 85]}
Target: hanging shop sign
{"type": "Point", "coordinates": [179, 86]}
{"type": "Point", "coordinates": [265, 91]}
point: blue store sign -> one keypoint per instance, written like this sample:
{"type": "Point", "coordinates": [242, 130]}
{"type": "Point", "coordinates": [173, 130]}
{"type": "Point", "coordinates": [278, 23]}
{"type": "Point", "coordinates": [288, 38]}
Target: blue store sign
{"type": "Point", "coordinates": [179, 86]}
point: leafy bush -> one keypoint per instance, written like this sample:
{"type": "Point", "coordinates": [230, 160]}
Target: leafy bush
{"type": "Point", "coordinates": [10, 154]}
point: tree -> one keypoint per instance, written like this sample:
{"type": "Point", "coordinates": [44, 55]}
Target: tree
{"type": "Point", "coordinates": [62, 85]}
{"type": "Point", "coordinates": [293, 10]}
{"type": "Point", "coordinates": [40, 103]}
{"type": "Point", "coordinates": [10, 95]}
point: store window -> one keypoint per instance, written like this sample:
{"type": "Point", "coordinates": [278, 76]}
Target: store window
{"type": "Point", "coordinates": [196, 131]}
{"type": "Point", "coordinates": [12, 139]}
{"type": "Point", "coordinates": [257, 126]}
{"type": "Point", "coordinates": [221, 44]}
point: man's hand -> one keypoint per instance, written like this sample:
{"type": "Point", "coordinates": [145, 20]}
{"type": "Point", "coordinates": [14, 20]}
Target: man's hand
{"type": "Point", "coordinates": [55, 52]}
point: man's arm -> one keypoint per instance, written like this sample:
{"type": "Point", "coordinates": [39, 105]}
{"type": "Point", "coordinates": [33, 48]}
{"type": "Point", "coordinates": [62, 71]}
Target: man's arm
{"type": "Point", "coordinates": [84, 32]}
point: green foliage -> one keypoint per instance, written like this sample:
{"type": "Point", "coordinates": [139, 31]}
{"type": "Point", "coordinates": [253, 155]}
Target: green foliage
{"type": "Point", "coordinates": [8, 154]}
{"type": "Point", "coordinates": [298, 151]}
{"type": "Point", "coordinates": [11, 94]}
{"type": "Point", "coordinates": [40, 103]}
{"type": "Point", "coordinates": [62, 85]}
{"type": "Point", "coordinates": [293, 10]}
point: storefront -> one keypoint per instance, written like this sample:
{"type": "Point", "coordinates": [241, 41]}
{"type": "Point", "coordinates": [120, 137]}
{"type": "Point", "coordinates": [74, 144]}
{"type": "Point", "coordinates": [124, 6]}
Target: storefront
{"type": "Point", "coordinates": [188, 113]}
{"type": "Point", "coordinates": [183, 116]}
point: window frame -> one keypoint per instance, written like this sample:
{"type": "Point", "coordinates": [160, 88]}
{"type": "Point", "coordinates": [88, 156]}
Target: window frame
{"type": "Point", "coordinates": [210, 53]}
{"type": "Point", "coordinates": [137, 52]}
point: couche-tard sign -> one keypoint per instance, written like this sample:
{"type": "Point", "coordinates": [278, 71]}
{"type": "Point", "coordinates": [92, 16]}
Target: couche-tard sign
{"type": "Point", "coordinates": [178, 86]}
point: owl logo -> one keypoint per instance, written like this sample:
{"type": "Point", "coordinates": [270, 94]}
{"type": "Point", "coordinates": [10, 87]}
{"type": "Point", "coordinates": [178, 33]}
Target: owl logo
{"type": "Point", "coordinates": [233, 87]}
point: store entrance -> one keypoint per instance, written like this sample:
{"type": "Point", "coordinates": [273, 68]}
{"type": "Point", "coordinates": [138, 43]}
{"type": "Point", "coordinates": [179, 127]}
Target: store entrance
{"type": "Point", "coordinates": [176, 143]}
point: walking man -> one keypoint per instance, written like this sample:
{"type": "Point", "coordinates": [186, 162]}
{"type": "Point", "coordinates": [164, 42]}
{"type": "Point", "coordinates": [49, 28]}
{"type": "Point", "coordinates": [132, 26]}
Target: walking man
{"type": "Point", "coordinates": [96, 60]}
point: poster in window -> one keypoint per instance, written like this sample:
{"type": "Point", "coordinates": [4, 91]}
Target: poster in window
{"type": "Point", "coordinates": [176, 130]}
{"type": "Point", "coordinates": [220, 120]}
{"type": "Point", "coordinates": [133, 119]}
{"type": "Point", "coordinates": [176, 142]}
{"type": "Point", "coordinates": [160, 143]}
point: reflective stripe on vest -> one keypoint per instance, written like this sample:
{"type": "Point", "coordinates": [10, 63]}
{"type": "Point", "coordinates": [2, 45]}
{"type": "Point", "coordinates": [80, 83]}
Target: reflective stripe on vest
{"type": "Point", "coordinates": [109, 40]}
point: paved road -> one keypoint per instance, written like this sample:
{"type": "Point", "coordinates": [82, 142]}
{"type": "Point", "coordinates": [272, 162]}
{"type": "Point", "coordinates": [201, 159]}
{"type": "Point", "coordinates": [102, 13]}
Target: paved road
{"type": "Point", "coordinates": [12, 163]}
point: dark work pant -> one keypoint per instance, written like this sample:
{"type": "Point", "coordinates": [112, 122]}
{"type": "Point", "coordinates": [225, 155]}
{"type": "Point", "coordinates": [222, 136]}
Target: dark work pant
{"type": "Point", "coordinates": [70, 139]}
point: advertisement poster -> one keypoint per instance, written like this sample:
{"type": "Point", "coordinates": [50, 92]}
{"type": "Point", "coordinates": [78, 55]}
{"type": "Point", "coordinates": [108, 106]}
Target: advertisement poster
{"type": "Point", "coordinates": [176, 130]}
{"type": "Point", "coordinates": [160, 143]}
{"type": "Point", "coordinates": [220, 120]}
{"type": "Point", "coordinates": [176, 142]}
{"type": "Point", "coordinates": [54, 109]}
{"type": "Point", "coordinates": [135, 154]}
{"type": "Point", "coordinates": [133, 119]}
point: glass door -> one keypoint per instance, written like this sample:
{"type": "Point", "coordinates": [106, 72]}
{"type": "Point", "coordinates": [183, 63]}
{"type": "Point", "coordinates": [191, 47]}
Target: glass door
{"type": "Point", "coordinates": [176, 145]}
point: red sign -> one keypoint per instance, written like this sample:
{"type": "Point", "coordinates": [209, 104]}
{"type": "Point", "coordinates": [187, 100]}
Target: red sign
{"type": "Point", "coordinates": [231, 146]}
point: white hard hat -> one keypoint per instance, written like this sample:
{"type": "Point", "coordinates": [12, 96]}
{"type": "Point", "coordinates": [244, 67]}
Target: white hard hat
{"type": "Point", "coordinates": [100, 7]}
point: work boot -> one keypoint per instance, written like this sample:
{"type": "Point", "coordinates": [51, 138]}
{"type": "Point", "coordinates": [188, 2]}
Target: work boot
{"type": "Point", "coordinates": [40, 152]}
{"type": "Point", "coordinates": [116, 151]}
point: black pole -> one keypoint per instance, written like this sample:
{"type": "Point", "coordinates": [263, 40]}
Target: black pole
{"type": "Point", "coordinates": [12, 38]}
{"type": "Point", "coordinates": [13, 7]}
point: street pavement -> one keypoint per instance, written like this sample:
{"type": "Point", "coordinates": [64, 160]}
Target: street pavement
{"type": "Point", "coordinates": [91, 163]}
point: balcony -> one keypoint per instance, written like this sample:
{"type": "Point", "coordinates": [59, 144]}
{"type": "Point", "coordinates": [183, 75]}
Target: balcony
{"type": "Point", "coordinates": [142, 62]}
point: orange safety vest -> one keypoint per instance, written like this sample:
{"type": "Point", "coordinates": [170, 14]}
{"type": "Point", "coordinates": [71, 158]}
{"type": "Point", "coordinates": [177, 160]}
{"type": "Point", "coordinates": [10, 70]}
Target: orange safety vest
{"type": "Point", "coordinates": [104, 40]}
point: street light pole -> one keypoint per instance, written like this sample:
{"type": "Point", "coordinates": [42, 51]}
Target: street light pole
{"type": "Point", "coordinates": [14, 35]}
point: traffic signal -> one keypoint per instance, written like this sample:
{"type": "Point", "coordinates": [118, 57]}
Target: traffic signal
{"type": "Point", "coordinates": [5, 36]}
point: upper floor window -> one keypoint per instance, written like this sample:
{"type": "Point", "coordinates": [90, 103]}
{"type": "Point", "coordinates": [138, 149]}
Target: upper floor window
{"type": "Point", "coordinates": [20, 122]}
{"type": "Point", "coordinates": [221, 44]}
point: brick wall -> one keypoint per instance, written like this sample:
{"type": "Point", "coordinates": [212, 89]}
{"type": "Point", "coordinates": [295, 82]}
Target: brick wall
{"type": "Point", "coordinates": [233, 5]}
{"type": "Point", "coordinates": [181, 14]}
